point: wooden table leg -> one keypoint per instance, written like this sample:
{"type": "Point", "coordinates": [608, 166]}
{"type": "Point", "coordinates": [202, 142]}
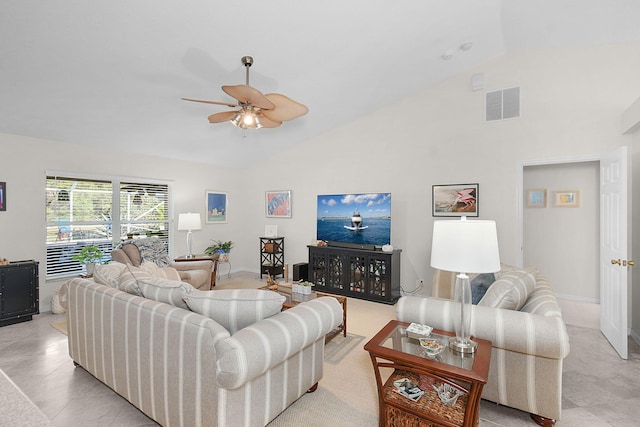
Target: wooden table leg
{"type": "Point", "coordinates": [214, 273]}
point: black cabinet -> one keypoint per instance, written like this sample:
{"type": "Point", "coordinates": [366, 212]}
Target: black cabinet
{"type": "Point", "coordinates": [19, 287]}
{"type": "Point", "coordinates": [358, 273]}
{"type": "Point", "coordinates": [272, 256]}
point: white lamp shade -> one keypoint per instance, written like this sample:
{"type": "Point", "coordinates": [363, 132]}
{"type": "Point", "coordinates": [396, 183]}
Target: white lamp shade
{"type": "Point", "coordinates": [465, 246]}
{"type": "Point", "coordinates": [189, 221]}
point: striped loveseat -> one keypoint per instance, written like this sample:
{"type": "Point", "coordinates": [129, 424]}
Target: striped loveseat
{"type": "Point", "coordinates": [184, 369]}
{"type": "Point", "coordinates": [529, 344]}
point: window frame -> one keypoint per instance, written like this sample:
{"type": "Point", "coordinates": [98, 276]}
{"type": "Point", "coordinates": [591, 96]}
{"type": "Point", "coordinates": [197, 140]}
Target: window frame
{"type": "Point", "coordinates": [116, 222]}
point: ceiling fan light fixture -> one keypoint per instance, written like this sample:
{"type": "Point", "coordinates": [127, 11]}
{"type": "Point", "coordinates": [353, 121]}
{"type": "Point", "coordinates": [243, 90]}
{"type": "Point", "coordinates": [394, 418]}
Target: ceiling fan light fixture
{"type": "Point", "coordinates": [254, 105]}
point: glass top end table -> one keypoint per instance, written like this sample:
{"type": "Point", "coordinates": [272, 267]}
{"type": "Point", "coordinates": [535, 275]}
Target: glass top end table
{"type": "Point", "coordinates": [438, 377]}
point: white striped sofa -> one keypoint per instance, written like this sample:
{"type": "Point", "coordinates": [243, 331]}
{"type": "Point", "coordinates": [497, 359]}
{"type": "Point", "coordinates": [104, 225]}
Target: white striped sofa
{"type": "Point", "coordinates": [528, 345]}
{"type": "Point", "coordinates": [183, 369]}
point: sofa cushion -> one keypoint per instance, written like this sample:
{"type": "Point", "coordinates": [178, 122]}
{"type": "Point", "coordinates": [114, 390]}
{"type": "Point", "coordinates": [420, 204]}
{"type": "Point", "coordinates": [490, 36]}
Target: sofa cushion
{"type": "Point", "coordinates": [131, 275]}
{"type": "Point", "coordinates": [479, 286]}
{"type": "Point", "coordinates": [164, 290]}
{"type": "Point", "coordinates": [109, 274]}
{"type": "Point", "coordinates": [235, 309]}
{"type": "Point", "coordinates": [510, 291]}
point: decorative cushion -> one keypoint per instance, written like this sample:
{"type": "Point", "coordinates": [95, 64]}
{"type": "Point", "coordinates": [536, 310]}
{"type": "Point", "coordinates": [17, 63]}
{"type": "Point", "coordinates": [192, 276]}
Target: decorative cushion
{"type": "Point", "coordinates": [479, 286]}
{"type": "Point", "coordinates": [163, 290]}
{"type": "Point", "coordinates": [109, 274]}
{"type": "Point", "coordinates": [131, 275]}
{"type": "Point", "coordinates": [150, 249]}
{"type": "Point", "coordinates": [235, 309]}
{"type": "Point", "coordinates": [510, 291]}
{"type": "Point", "coordinates": [133, 253]}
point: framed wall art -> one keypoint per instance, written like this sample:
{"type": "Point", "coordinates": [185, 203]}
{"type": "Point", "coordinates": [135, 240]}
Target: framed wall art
{"type": "Point", "coordinates": [216, 205]}
{"type": "Point", "coordinates": [455, 200]}
{"type": "Point", "coordinates": [3, 196]}
{"type": "Point", "coordinates": [566, 199]}
{"type": "Point", "coordinates": [537, 198]}
{"type": "Point", "coordinates": [278, 204]}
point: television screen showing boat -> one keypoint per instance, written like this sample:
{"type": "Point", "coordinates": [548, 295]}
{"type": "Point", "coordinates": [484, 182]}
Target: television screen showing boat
{"type": "Point", "coordinates": [355, 218]}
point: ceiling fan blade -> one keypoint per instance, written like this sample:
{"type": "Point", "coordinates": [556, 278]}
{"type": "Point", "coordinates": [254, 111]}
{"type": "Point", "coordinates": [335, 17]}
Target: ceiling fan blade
{"type": "Point", "coordinates": [267, 122]}
{"type": "Point", "coordinates": [248, 95]}
{"type": "Point", "coordinates": [225, 116]}
{"type": "Point", "coordinates": [211, 102]}
{"type": "Point", "coordinates": [286, 108]}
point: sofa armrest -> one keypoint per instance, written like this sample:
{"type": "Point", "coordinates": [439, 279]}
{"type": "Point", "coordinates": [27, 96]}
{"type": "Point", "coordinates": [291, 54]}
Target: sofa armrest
{"type": "Point", "coordinates": [192, 265]}
{"type": "Point", "coordinates": [526, 333]}
{"type": "Point", "coordinates": [254, 350]}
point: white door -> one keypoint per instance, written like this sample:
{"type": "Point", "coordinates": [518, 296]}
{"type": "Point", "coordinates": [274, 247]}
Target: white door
{"type": "Point", "coordinates": [613, 249]}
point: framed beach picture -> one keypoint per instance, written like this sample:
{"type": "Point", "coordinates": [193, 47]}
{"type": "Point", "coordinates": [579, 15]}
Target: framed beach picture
{"type": "Point", "coordinates": [278, 204]}
{"type": "Point", "coordinates": [455, 200]}
{"type": "Point", "coordinates": [3, 196]}
{"type": "Point", "coordinates": [537, 198]}
{"type": "Point", "coordinates": [216, 205]}
{"type": "Point", "coordinates": [566, 199]}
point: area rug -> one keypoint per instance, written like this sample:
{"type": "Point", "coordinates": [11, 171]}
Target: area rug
{"type": "Point", "coordinates": [340, 346]}
{"type": "Point", "coordinates": [323, 408]}
{"type": "Point", "coordinates": [61, 327]}
{"type": "Point", "coordinates": [17, 409]}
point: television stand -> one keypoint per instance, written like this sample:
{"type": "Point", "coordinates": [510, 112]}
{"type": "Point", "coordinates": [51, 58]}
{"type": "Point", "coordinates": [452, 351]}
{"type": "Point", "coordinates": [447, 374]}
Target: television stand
{"type": "Point", "coordinates": [349, 245]}
{"type": "Point", "coordinates": [358, 273]}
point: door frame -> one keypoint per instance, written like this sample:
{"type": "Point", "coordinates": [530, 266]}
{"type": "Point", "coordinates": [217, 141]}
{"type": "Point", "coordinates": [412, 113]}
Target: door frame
{"type": "Point", "coordinates": [520, 197]}
{"type": "Point", "coordinates": [568, 160]}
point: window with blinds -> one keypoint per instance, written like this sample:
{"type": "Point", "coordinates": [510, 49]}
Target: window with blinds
{"type": "Point", "coordinates": [80, 212]}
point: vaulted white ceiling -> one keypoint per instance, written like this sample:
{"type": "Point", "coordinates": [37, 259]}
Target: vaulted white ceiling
{"type": "Point", "coordinates": [111, 73]}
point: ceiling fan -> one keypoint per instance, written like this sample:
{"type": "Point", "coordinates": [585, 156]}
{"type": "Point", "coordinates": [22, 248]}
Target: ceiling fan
{"type": "Point", "coordinates": [256, 110]}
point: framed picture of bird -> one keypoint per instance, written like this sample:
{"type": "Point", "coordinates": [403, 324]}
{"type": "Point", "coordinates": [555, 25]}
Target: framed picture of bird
{"type": "Point", "coordinates": [455, 200]}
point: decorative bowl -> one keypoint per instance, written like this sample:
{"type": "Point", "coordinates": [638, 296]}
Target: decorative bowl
{"type": "Point", "coordinates": [448, 394]}
{"type": "Point", "coordinates": [431, 346]}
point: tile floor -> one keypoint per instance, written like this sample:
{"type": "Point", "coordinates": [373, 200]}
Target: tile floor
{"type": "Point", "coordinates": [599, 388]}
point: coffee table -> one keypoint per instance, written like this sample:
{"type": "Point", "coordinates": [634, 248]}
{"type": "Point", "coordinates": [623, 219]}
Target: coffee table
{"type": "Point", "coordinates": [295, 298]}
{"type": "Point", "coordinates": [393, 348]}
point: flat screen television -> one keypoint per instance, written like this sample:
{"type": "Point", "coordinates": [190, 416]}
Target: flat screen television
{"type": "Point", "coordinates": [356, 219]}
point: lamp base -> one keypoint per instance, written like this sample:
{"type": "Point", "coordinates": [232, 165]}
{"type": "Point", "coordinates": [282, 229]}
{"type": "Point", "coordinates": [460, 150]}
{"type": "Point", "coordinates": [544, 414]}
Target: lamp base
{"type": "Point", "coordinates": [462, 346]}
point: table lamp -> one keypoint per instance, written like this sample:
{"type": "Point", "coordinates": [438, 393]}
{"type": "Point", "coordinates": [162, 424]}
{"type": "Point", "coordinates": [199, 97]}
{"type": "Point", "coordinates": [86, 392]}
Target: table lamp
{"type": "Point", "coordinates": [464, 247]}
{"type": "Point", "coordinates": [189, 221]}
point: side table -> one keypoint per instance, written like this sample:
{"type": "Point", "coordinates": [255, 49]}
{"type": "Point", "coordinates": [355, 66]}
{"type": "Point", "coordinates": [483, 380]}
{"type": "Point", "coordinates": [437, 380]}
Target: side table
{"type": "Point", "coordinates": [392, 348]}
{"type": "Point", "coordinates": [213, 258]}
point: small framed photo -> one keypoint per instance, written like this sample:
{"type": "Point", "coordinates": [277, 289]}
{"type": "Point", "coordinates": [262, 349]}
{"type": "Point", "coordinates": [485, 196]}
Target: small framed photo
{"type": "Point", "coordinates": [216, 205]}
{"type": "Point", "coordinates": [537, 198]}
{"type": "Point", "coordinates": [566, 199]}
{"type": "Point", "coordinates": [455, 200]}
{"type": "Point", "coordinates": [3, 196]}
{"type": "Point", "coordinates": [278, 204]}
{"type": "Point", "coordinates": [270, 231]}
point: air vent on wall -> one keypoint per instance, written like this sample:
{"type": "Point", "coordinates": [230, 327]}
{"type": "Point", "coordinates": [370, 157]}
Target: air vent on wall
{"type": "Point", "coordinates": [502, 104]}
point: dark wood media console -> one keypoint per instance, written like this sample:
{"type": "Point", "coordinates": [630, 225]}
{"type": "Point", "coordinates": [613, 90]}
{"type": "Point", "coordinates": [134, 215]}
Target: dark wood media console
{"type": "Point", "coordinates": [358, 273]}
{"type": "Point", "coordinates": [19, 292]}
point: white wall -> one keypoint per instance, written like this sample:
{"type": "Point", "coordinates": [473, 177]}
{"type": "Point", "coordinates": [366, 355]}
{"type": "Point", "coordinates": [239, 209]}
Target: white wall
{"type": "Point", "coordinates": [572, 101]}
{"type": "Point", "coordinates": [564, 243]}
{"type": "Point", "coordinates": [25, 162]}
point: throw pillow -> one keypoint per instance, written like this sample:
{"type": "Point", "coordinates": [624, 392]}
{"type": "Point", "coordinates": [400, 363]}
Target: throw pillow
{"type": "Point", "coordinates": [479, 286]}
{"type": "Point", "coordinates": [131, 276]}
{"type": "Point", "coordinates": [109, 274]}
{"type": "Point", "coordinates": [168, 273]}
{"type": "Point", "coordinates": [510, 291]}
{"type": "Point", "coordinates": [235, 309]}
{"type": "Point", "coordinates": [163, 290]}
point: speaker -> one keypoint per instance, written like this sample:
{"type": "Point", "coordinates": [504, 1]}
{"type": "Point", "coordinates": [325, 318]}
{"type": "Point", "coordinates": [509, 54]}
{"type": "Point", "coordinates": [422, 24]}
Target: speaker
{"type": "Point", "coordinates": [301, 271]}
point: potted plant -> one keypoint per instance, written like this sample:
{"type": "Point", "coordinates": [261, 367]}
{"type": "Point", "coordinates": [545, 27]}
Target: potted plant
{"type": "Point", "coordinates": [89, 255]}
{"type": "Point", "coordinates": [221, 248]}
